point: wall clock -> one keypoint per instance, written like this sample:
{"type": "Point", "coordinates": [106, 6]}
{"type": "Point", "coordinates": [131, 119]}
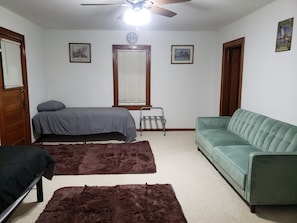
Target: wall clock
{"type": "Point", "coordinates": [131, 37]}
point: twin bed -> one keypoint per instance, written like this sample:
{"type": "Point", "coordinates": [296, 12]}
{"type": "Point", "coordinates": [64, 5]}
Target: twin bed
{"type": "Point", "coordinates": [54, 118]}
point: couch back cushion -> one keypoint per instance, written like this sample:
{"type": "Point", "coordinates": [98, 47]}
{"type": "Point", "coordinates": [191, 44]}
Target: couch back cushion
{"type": "Point", "coordinates": [245, 124]}
{"type": "Point", "coordinates": [264, 133]}
{"type": "Point", "coordinates": [276, 136]}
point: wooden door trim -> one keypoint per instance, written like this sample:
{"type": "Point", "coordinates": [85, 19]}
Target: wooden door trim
{"type": "Point", "coordinates": [225, 68]}
{"type": "Point", "coordinates": [11, 35]}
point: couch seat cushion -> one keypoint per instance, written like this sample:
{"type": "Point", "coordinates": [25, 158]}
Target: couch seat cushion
{"type": "Point", "coordinates": [233, 159]}
{"type": "Point", "coordinates": [210, 138]}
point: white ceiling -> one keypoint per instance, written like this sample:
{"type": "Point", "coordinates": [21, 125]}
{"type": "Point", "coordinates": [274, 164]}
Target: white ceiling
{"type": "Point", "coordinates": [196, 15]}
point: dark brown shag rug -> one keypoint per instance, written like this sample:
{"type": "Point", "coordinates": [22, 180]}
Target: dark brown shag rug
{"type": "Point", "coordinates": [119, 204]}
{"type": "Point", "coordinates": [110, 158]}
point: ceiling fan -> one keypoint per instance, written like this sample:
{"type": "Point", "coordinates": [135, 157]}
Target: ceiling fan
{"type": "Point", "coordinates": [145, 4]}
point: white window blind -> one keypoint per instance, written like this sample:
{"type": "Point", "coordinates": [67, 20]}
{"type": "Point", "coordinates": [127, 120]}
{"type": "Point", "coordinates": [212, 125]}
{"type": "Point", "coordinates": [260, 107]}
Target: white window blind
{"type": "Point", "coordinates": [11, 64]}
{"type": "Point", "coordinates": [132, 77]}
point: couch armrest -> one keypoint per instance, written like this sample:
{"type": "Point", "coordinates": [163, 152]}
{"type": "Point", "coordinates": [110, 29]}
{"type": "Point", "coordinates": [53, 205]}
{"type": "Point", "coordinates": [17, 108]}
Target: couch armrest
{"type": "Point", "coordinates": [220, 122]}
{"type": "Point", "coordinates": [272, 178]}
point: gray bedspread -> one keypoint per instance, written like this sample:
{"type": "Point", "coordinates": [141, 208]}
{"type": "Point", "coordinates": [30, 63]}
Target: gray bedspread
{"type": "Point", "coordinates": [85, 121]}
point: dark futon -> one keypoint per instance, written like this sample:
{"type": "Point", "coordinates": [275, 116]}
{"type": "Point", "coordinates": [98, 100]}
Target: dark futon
{"type": "Point", "coordinates": [21, 168]}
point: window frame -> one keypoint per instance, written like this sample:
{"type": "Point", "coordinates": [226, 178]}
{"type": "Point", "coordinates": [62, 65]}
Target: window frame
{"type": "Point", "coordinates": [147, 49]}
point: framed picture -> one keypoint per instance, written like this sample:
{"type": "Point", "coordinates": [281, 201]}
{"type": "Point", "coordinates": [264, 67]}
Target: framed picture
{"type": "Point", "coordinates": [284, 35]}
{"type": "Point", "coordinates": [80, 52]}
{"type": "Point", "coordinates": [182, 54]}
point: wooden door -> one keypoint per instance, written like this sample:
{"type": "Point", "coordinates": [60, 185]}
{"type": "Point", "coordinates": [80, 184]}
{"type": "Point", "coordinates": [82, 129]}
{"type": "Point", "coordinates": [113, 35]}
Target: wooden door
{"type": "Point", "coordinates": [232, 66]}
{"type": "Point", "coordinates": [14, 101]}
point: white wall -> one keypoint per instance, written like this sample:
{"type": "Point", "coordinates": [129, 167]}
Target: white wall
{"type": "Point", "coordinates": [184, 91]}
{"type": "Point", "coordinates": [269, 77]}
{"type": "Point", "coordinates": [34, 41]}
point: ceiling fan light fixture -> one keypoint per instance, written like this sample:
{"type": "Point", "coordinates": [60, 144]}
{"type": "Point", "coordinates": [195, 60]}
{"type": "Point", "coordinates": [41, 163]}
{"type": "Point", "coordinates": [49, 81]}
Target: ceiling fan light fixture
{"type": "Point", "coordinates": [137, 17]}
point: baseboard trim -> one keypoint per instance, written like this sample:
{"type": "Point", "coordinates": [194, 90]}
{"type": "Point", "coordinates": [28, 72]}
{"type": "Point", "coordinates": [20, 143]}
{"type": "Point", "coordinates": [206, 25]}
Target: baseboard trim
{"type": "Point", "coordinates": [144, 130]}
{"type": "Point", "coordinates": [170, 129]}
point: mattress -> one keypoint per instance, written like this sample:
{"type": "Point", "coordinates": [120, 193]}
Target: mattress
{"type": "Point", "coordinates": [84, 121]}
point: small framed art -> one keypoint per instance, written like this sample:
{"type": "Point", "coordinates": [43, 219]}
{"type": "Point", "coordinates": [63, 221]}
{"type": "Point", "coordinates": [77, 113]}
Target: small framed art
{"type": "Point", "coordinates": [80, 52]}
{"type": "Point", "coordinates": [182, 54]}
{"type": "Point", "coordinates": [284, 35]}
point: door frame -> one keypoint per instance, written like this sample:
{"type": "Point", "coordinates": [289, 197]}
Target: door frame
{"type": "Point", "coordinates": [16, 37]}
{"type": "Point", "coordinates": [226, 61]}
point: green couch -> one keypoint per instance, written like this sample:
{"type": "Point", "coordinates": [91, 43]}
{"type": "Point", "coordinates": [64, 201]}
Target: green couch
{"type": "Point", "coordinates": [257, 155]}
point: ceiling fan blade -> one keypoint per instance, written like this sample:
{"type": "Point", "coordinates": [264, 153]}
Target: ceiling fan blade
{"type": "Point", "coordinates": [106, 4]}
{"type": "Point", "coordinates": [163, 2]}
{"type": "Point", "coordinates": [161, 11]}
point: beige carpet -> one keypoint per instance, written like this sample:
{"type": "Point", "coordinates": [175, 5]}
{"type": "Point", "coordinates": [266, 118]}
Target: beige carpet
{"type": "Point", "coordinates": [204, 195]}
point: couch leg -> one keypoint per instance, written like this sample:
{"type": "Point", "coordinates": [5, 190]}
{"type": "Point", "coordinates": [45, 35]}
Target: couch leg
{"type": "Point", "coordinates": [39, 190]}
{"type": "Point", "coordinates": [253, 208]}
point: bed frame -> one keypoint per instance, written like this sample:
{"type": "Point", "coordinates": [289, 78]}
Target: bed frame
{"type": "Point", "coordinates": [6, 214]}
{"type": "Point", "coordinates": [22, 168]}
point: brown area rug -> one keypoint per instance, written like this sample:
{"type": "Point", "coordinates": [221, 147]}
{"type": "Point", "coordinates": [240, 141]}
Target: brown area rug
{"type": "Point", "coordinates": [110, 158]}
{"type": "Point", "coordinates": [119, 204]}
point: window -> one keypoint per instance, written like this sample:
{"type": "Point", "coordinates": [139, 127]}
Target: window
{"type": "Point", "coordinates": [131, 76]}
{"type": "Point", "coordinates": [11, 64]}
